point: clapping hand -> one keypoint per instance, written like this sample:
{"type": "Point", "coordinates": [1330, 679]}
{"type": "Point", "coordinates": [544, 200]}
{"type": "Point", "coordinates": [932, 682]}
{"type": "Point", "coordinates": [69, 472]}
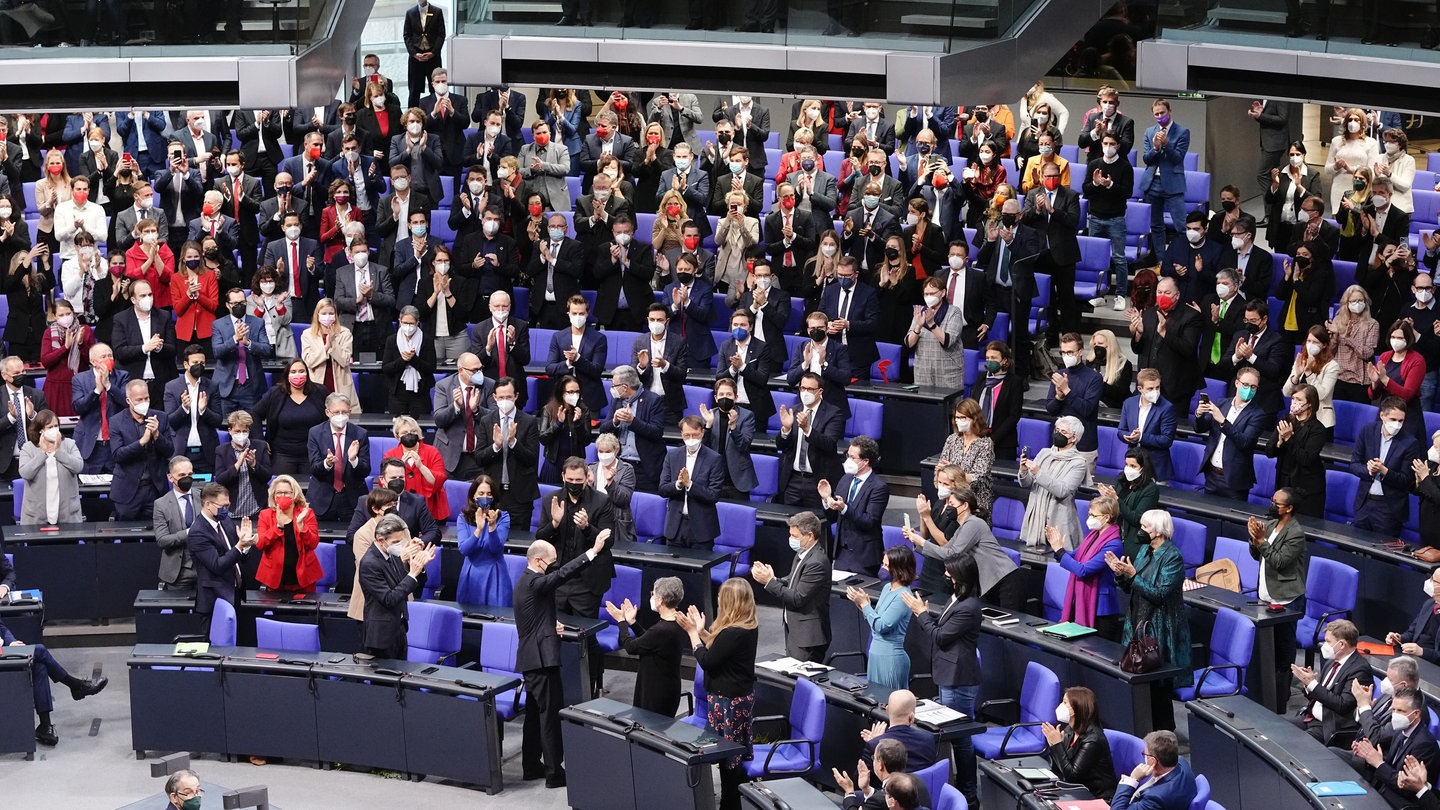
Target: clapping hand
{"type": "Point", "coordinates": [1368, 751]}
{"type": "Point", "coordinates": [1054, 538]}
{"type": "Point", "coordinates": [916, 604]}
{"type": "Point", "coordinates": [1413, 776]}
{"type": "Point", "coordinates": [860, 598]}
{"type": "Point", "coordinates": [875, 730]}
{"type": "Point", "coordinates": [762, 573]}
{"type": "Point", "coordinates": [1053, 735]}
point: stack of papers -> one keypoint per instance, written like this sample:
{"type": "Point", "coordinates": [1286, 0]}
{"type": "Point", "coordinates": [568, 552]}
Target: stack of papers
{"type": "Point", "coordinates": [836, 575]}
{"type": "Point", "coordinates": [928, 711]}
{"type": "Point", "coordinates": [92, 480]}
{"type": "Point", "coordinates": [1336, 788]}
{"type": "Point", "coordinates": [793, 667]}
{"type": "Point", "coordinates": [192, 648]}
{"type": "Point", "coordinates": [1036, 774]}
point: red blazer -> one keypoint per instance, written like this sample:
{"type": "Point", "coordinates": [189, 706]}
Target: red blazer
{"type": "Point", "coordinates": [159, 280]}
{"type": "Point", "coordinates": [331, 237]}
{"type": "Point", "coordinates": [1412, 371]}
{"type": "Point", "coordinates": [271, 542]}
{"type": "Point", "coordinates": [434, 494]}
{"type": "Point", "coordinates": [198, 314]}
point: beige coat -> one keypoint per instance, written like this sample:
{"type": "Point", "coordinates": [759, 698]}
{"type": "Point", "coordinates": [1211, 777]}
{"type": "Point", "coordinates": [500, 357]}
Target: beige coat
{"type": "Point", "coordinates": [338, 353]}
{"type": "Point", "coordinates": [362, 541]}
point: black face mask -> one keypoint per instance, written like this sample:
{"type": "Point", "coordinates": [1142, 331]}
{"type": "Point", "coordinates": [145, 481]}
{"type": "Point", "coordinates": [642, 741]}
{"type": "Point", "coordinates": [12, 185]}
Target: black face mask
{"type": "Point", "coordinates": [396, 485]}
{"type": "Point", "coordinates": [238, 310]}
{"type": "Point", "coordinates": [197, 370]}
{"type": "Point", "coordinates": [574, 490]}
{"type": "Point", "coordinates": [1302, 262]}
{"type": "Point", "coordinates": [349, 120]}
{"type": "Point", "coordinates": [1009, 220]}
{"type": "Point", "coordinates": [282, 190]}
{"type": "Point", "coordinates": [876, 171]}
{"type": "Point", "coordinates": [1252, 328]}
{"type": "Point", "coordinates": [1273, 513]}
{"type": "Point", "coordinates": [192, 264]}
{"type": "Point", "coordinates": [1228, 205]}
{"type": "Point", "coordinates": [685, 278]}
{"type": "Point", "coordinates": [409, 440]}
{"type": "Point", "coordinates": [1059, 439]}
{"type": "Point", "coordinates": [817, 333]}
{"type": "Point", "coordinates": [723, 137]}
{"type": "Point", "coordinates": [725, 403]}
{"type": "Point", "coordinates": [1100, 353]}
{"type": "Point", "coordinates": [892, 253]}
{"type": "Point", "coordinates": [212, 253]}
{"type": "Point", "coordinates": [184, 482]}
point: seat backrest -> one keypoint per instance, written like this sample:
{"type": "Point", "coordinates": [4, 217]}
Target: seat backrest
{"type": "Point", "coordinates": [695, 395]}
{"type": "Point", "coordinates": [1039, 695]}
{"type": "Point", "coordinates": [1034, 434]}
{"type": "Point", "coordinates": [1186, 460]}
{"type": "Point", "coordinates": [950, 798]}
{"type": "Point", "coordinates": [222, 624]}
{"type": "Point", "coordinates": [1126, 751]}
{"type": "Point", "coordinates": [1340, 488]}
{"type": "Point", "coordinates": [499, 643]}
{"type": "Point", "coordinates": [515, 566]}
{"type": "Point", "coordinates": [546, 490]}
{"type": "Point", "coordinates": [887, 368]}
{"type": "Point", "coordinates": [1350, 417]}
{"type": "Point", "coordinates": [935, 777]}
{"type": "Point", "coordinates": [625, 585]}
{"type": "Point", "coordinates": [1112, 452]}
{"type": "Point", "coordinates": [974, 361]}
{"type": "Point", "coordinates": [866, 418]}
{"type": "Point", "coordinates": [807, 716]}
{"type": "Point", "coordinates": [1190, 538]}
{"type": "Point", "coordinates": [649, 511]}
{"type": "Point", "coordinates": [767, 477]}
{"type": "Point", "coordinates": [1232, 641]}
{"type": "Point", "coordinates": [455, 492]}
{"type": "Point", "coordinates": [1238, 552]}
{"type": "Point", "coordinates": [1053, 596]}
{"type": "Point", "coordinates": [737, 529]}
{"type": "Point", "coordinates": [700, 712]}
{"type": "Point", "coordinates": [434, 633]}
{"type": "Point", "coordinates": [325, 552]}
{"type": "Point", "coordinates": [1007, 514]}
{"type": "Point", "coordinates": [1330, 586]}
{"type": "Point", "coordinates": [778, 399]}
{"type": "Point", "coordinates": [379, 446]}
{"type": "Point", "coordinates": [1264, 480]}
{"type": "Point", "coordinates": [1202, 792]}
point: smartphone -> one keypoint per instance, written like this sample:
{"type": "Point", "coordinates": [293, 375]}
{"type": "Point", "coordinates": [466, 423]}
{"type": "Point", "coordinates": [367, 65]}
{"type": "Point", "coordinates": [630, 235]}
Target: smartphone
{"type": "Point", "coordinates": [907, 522]}
{"type": "Point", "coordinates": [1204, 398]}
{"type": "Point", "coordinates": [127, 158]}
{"type": "Point", "coordinates": [429, 670]}
{"type": "Point", "coordinates": [335, 659]}
{"type": "Point", "coordinates": [268, 656]}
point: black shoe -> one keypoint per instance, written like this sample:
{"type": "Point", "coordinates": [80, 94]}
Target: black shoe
{"type": "Point", "coordinates": [694, 25]}
{"type": "Point", "coordinates": [1321, 37]}
{"type": "Point", "coordinates": [85, 689]}
{"type": "Point", "coordinates": [1431, 40]}
{"type": "Point", "coordinates": [626, 22]}
{"type": "Point", "coordinates": [45, 734]}
{"type": "Point", "coordinates": [748, 28]}
{"type": "Point", "coordinates": [531, 776]}
{"type": "Point", "coordinates": [831, 30]}
{"type": "Point", "coordinates": [565, 21]}
{"type": "Point", "coordinates": [234, 38]}
{"type": "Point", "coordinates": [556, 781]}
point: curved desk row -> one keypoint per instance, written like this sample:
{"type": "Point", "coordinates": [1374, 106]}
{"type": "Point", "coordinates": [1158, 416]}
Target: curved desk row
{"type": "Point", "coordinates": [319, 707]}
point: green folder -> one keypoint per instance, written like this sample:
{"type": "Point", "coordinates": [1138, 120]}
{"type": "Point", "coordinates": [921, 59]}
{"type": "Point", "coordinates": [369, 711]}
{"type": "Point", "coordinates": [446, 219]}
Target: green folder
{"type": "Point", "coordinates": [1068, 630]}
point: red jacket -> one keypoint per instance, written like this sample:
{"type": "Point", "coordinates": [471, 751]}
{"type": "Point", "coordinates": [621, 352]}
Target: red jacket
{"type": "Point", "coordinates": [194, 316]}
{"type": "Point", "coordinates": [434, 494]}
{"type": "Point", "coordinates": [159, 278]}
{"type": "Point", "coordinates": [271, 542]}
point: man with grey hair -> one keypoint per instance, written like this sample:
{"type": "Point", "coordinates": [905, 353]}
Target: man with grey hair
{"type": "Point", "coordinates": [1222, 316]}
{"type": "Point", "coordinates": [172, 515]}
{"type": "Point", "coordinates": [23, 401]}
{"type": "Point", "coordinates": [637, 418]}
{"type": "Point", "coordinates": [388, 581]}
{"type": "Point", "coordinates": [1374, 715]}
{"type": "Point", "coordinates": [183, 791]}
{"type": "Point", "coordinates": [1008, 259]}
{"type": "Point", "coordinates": [804, 593]}
{"type": "Point", "coordinates": [1162, 778]}
{"type": "Point", "coordinates": [502, 342]}
{"type": "Point", "coordinates": [143, 442]}
{"type": "Point", "coordinates": [339, 456]}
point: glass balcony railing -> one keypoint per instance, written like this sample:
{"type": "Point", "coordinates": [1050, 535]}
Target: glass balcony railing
{"type": "Point", "coordinates": [1404, 31]}
{"type": "Point", "coordinates": [928, 26]}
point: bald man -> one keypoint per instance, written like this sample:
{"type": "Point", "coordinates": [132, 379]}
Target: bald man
{"type": "Point", "coordinates": [502, 342]}
{"type": "Point", "coordinates": [461, 400]}
{"type": "Point", "coordinates": [213, 221]}
{"type": "Point", "coordinates": [919, 743]}
{"type": "Point", "coordinates": [538, 655]}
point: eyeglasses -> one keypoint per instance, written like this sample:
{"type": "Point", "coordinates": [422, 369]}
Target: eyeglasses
{"type": "Point", "coordinates": [190, 794]}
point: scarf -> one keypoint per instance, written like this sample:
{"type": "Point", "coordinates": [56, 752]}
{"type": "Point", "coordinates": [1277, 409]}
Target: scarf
{"type": "Point", "coordinates": [1082, 595]}
{"type": "Point", "coordinates": [410, 377]}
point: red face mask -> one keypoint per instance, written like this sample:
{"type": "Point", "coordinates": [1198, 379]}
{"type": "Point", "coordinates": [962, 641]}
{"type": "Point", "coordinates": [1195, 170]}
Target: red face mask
{"type": "Point", "coordinates": [692, 243]}
{"type": "Point", "coordinates": [750, 265]}
{"type": "Point", "coordinates": [284, 502]}
{"type": "Point", "coordinates": [1165, 301]}
{"type": "Point", "coordinates": [536, 209]}
{"type": "Point", "coordinates": [297, 380]}
{"type": "Point", "coordinates": [621, 103]}
{"type": "Point", "coordinates": [1051, 183]}
{"type": "Point", "coordinates": [208, 210]}
{"type": "Point", "coordinates": [81, 197]}
{"type": "Point", "coordinates": [652, 139]}
{"type": "Point", "coordinates": [543, 139]}
{"type": "Point", "coordinates": [672, 210]}
{"type": "Point", "coordinates": [602, 132]}
{"type": "Point", "coordinates": [787, 203]}
{"type": "Point", "coordinates": [939, 181]}
{"type": "Point", "coordinates": [109, 363]}
{"type": "Point", "coordinates": [55, 169]}
{"type": "Point", "coordinates": [314, 153]}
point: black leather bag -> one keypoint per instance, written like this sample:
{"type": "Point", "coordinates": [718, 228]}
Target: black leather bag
{"type": "Point", "coordinates": [1142, 654]}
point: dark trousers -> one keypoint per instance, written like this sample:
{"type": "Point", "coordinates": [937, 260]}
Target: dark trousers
{"type": "Point", "coordinates": [1008, 593]}
{"type": "Point", "coordinates": [577, 10]}
{"type": "Point", "coordinates": [413, 403]}
{"type": "Point", "coordinates": [814, 654]}
{"type": "Point", "coordinates": [1377, 515]}
{"type": "Point", "coordinates": [1285, 649]}
{"type": "Point", "coordinates": [99, 460]}
{"type": "Point", "coordinates": [243, 398]}
{"type": "Point", "coordinates": [800, 491]}
{"type": "Point", "coordinates": [541, 734]}
{"type": "Point", "coordinates": [420, 78]}
{"type": "Point", "coordinates": [44, 671]}
{"type": "Point", "coordinates": [1064, 306]}
{"type": "Point", "coordinates": [369, 336]}
{"type": "Point", "coordinates": [576, 599]}
{"type": "Point", "coordinates": [202, 461]}
{"type": "Point", "coordinates": [395, 652]}
{"type": "Point", "coordinates": [466, 468]}
{"type": "Point", "coordinates": [1019, 336]}
{"type": "Point", "coordinates": [685, 536]}
{"type": "Point", "coordinates": [629, 319]}
{"type": "Point", "coordinates": [1216, 484]}
{"type": "Point", "coordinates": [550, 314]}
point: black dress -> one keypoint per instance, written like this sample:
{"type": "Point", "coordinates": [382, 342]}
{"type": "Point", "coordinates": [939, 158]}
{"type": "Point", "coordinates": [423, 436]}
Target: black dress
{"type": "Point", "coordinates": [657, 681]}
{"type": "Point", "coordinates": [288, 580]}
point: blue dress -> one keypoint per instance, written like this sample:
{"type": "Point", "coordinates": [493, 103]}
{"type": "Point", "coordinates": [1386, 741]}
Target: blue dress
{"type": "Point", "coordinates": [888, 618]}
{"type": "Point", "coordinates": [484, 578]}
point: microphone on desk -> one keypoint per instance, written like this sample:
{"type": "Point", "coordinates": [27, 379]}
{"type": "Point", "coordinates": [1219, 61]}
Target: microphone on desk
{"type": "Point", "coordinates": [775, 801]}
{"type": "Point", "coordinates": [1229, 714]}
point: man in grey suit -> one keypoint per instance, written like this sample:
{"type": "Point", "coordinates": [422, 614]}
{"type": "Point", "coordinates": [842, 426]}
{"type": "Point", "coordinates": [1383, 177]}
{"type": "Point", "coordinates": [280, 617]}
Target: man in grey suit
{"type": "Point", "coordinates": [677, 113]}
{"type": "Point", "coordinates": [804, 592]}
{"type": "Point", "coordinates": [364, 298]}
{"type": "Point", "coordinates": [814, 185]}
{"type": "Point", "coordinates": [460, 403]}
{"type": "Point", "coordinates": [729, 429]}
{"type": "Point", "coordinates": [544, 165]}
{"type": "Point", "coordinates": [174, 512]}
{"type": "Point", "coordinates": [144, 208]}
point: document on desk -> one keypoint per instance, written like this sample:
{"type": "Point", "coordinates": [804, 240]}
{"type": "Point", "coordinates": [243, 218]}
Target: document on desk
{"type": "Point", "coordinates": [95, 480]}
{"type": "Point", "coordinates": [1086, 804]}
{"type": "Point", "coordinates": [836, 575]}
{"type": "Point", "coordinates": [793, 667]}
{"type": "Point", "coordinates": [936, 714]}
{"type": "Point", "coordinates": [1336, 788]}
{"type": "Point", "coordinates": [192, 648]}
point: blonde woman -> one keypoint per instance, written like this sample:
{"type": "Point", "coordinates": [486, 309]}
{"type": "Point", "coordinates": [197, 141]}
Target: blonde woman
{"type": "Point", "coordinates": [736, 235]}
{"type": "Point", "coordinates": [670, 220]}
{"type": "Point", "coordinates": [1354, 333]}
{"type": "Point", "coordinates": [1107, 357]}
{"type": "Point", "coordinates": [424, 468]}
{"type": "Point", "coordinates": [1354, 241]}
{"type": "Point", "coordinates": [819, 269]}
{"type": "Point", "coordinates": [51, 189]}
{"type": "Point", "coordinates": [327, 349]}
{"type": "Point", "coordinates": [790, 161]}
{"type": "Point", "coordinates": [1350, 151]}
{"type": "Point", "coordinates": [811, 116]}
{"type": "Point", "coordinates": [726, 651]}
{"type": "Point", "coordinates": [288, 535]}
{"type": "Point", "coordinates": [1037, 101]}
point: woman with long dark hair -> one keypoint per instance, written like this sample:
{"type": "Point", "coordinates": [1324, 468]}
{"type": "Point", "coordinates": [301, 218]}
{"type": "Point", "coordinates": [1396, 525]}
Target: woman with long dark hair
{"type": "Point", "coordinates": [564, 427]}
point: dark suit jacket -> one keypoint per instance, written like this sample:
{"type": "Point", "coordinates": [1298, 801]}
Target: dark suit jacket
{"type": "Point", "coordinates": [134, 461]}
{"type": "Point", "coordinates": [1338, 702]}
{"type": "Point", "coordinates": [864, 319]}
{"type": "Point", "coordinates": [500, 276]}
{"type": "Point", "coordinates": [698, 500]}
{"type": "Point", "coordinates": [180, 420]}
{"type": "Point", "coordinates": [227, 476]}
{"type": "Point", "coordinates": [588, 365]}
{"type": "Point", "coordinates": [1157, 435]}
{"type": "Point", "coordinates": [1121, 124]}
{"type": "Point", "coordinates": [1027, 245]}
{"type": "Point", "coordinates": [1398, 482]}
{"type": "Point", "coordinates": [694, 319]}
{"type": "Point", "coordinates": [774, 315]}
{"type": "Point", "coordinates": [611, 278]}
{"type": "Point", "coordinates": [524, 457]}
{"type": "Point", "coordinates": [191, 198]}
{"type": "Point", "coordinates": [514, 112]}
{"type": "Point", "coordinates": [322, 494]}
{"type": "Point", "coordinates": [952, 635]}
{"type": "Point", "coordinates": [623, 148]}
{"type": "Point", "coordinates": [802, 245]}
{"type": "Point", "coordinates": [8, 429]}
{"type": "Point", "coordinates": [1083, 402]}
{"type": "Point", "coordinates": [277, 255]}
{"type": "Point", "coordinates": [1231, 324]}
{"type": "Point", "coordinates": [1258, 272]}
{"type": "Point", "coordinates": [672, 380]}
{"type": "Point", "coordinates": [572, 541]}
{"type": "Point", "coordinates": [393, 365]}
{"type": "Point", "coordinates": [569, 266]}
{"type": "Point", "coordinates": [836, 373]}
{"type": "Point", "coordinates": [127, 340]}
{"type": "Point", "coordinates": [417, 29]}
{"type": "Point", "coordinates": [649, 429]}
{"type": "Point", "coordinates": [87, 405]}
{"type": "Point", "coordinates": [919, 745]}
{"type": "Point", "coordinates": [869, 250]}
{"type": "Point", "coordinates": [1419, 743]}
{"type": "Point", "coordinates": [387, 585]}
{"type": "Point", "coordinates": [1175, 352]}
{"type": "Point", "coordinates": [250, 133]}
{"type": "Point", "coordinates": [227, 356]}
{"type": "Point", "coordinates": [739, 465]}
{"type": "Point", "coordinates": [412, 510]}
{"type": "Point", "coordinates": [539, 644]}
{"type": "Point", "coordinates": [804, 593]}
{"type": "Point", "coordinates": [826, 432]}
{"type": "Point", "coordinates": [1425, 631]}
{"type": "Point", "coordinates": [216, 560]}
{"type": "Point", "coordinates": [450, 129]}
{"type": "Point", "coordinates": [974, 295]}
{"type": "Point", "coordinates": [1058, 226]}
{"type": "Point", "coordinates": [517, 352]}
{"type": "Point", "coordinates": [1273, 358]}
{"type": "Point", "coordinates": [756, 371]}
{"type": "Point", "coordinates": [1174, 791]}
{"type": "Point", "coordinates": [1241, 436]}
{"type": "Point", "coordinates": [859, 542]}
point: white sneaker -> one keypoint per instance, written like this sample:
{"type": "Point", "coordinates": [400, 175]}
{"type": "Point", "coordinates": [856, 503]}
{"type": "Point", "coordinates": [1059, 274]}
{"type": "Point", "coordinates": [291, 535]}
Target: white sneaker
{"type": "Point", "coordinates": [1119, 303]}
{"type": "Point", "coordinates": [1098, 301]}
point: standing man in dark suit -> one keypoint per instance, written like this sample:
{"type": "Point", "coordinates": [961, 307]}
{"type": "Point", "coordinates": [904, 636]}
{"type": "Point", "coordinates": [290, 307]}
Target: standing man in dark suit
{"type": "Point", "coordinates": [424, 36]}
{"type": "Point", "coordinates": [1234, 432]}
{"type": "Point", "coordinates": [240, 343]}
{"type": "Point", "coordinates": [538, 652]}
{"type": "Point", "coordinates": [752, 128]}
{"type": "Point", "coordinates": [22, 403]}
{"type": "Point", "coordinates": [510, 103]}
{"type": "Point", "coordinates": [97, 396]}
{"type": "Point", "coordinates": [180, 194]}
{"type": "Point", "coordinates": [580, 351]}
{"type": "Point", "coordinates": [1381, 459]}
{"type": "Point", "coordinates": [388, 582]}
{"type": "Point", "coordinates": [1222, 316]}
{"type": "Point", "coordinates": [1054, 211]}
{"type": "Point", "coordinates": [1163, 185]}
{"type": "Point", "coordinates": [510, 453]}
{"type": "Point", "coordinates": [1273, 117]}
{"type": "Point", "coordinates": [259, 133]}
{"type": "Point", "coordinates": [853, 309]}
{"type": "Point", "coordinates": [1008, 257]}
{"type": "Point", "coordinates": [1374, 715]}
{"type": "Point", "coordinates": [729, 430]}
{"type": "Point", "coordinates": [460, 401]}
{"type": "Point", "coordinates": [1330, 707]}
{"type": "Point", "coordinates": [1254, 264]}
{"type": "Point", "coordinates": [1263, 349]}
{"type": "Point", "coordinates": [172, 514]}
{"type": "Point", "coordinates": [878, 128]}
{"type": "Point", "coordinates": [1167, 336]}
{"type": "Point", "coordinates": [769, 307]}
{"type": "Point", "coordinates": [1075, 390]}
{"type": "Point", "coordinates": [554, 270]}
{"type": "Point", "coordinates": [692, 308]}
{"type": "Point", "coordinates": [623, 270]}
{"type": "Point", "coordinates": [691, 483]}
{"type": "Point", "coordinates": [965, 288]}
{"type": "Point", "coordinates": [637, 418]}
{"type": "Point", "coordinates": [578, 522]}
{"type": "Point", "coordinates": [807, 441]}
{"type": "Point", "coordinates": [1422, 638]}
{"type": "Point", "coordinates": [804, 593]}
{"type": "Point", "coordinates": [663, 360]}
{"type": "Point", "coordinates": [217, 548]}
{"type": "Point", "coordinates": [1106, 119]}
{"type": "Point", "coordinates": [502, 343]}
{"type": "Point", "coordinates": [193, 410]}
{"type": "Point", "coordinates": [607, 140]}
{"type": "Point", "coordinates": [790, 237]}
{"type": "Point", "coordinates": [1147, 419]}
{"type": "Point", "coordinates": [339, 455]}
{"type": "Point", "coordinates": [1409, 736]}
{"type": "Point", "coordinates": [825, 358]}
{"type": "Point", "coordinates": [446, 115]}
{"type": "Point", "coordinates": [297, 257]}
{"type": "Point", "coordinates": [312, 176]}
{"type": "Point", "coordinates": [745, 361]}
{"type": "Point", "coordinates": [143, 445]}
{"type": "Point", "coordinates": [857, 506]}
{"type": "Point", "coordinates": [729, 175]}
{"type": "Point", "coordinates": [145, 341]}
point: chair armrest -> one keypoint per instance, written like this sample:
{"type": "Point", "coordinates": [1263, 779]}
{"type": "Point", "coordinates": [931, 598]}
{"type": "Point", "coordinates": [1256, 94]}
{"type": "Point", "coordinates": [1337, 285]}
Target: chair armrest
{"type": "Point", "coordinates": [1239, 671]}
{"type": "Point", "coordinates": [983, 710]}
{"type": "Point", "coordinates": [468, 665]}
{"type": "Point", "coordinates": [775, 746]}
{"type": "Point", "coordinates": [734, 562]}
{"type": "Point", "coordinates": [192, 638]}
{"type": "Point", "coordinates": [1324, 620]}
{"type": "Point", "coordinates": [1010, 732]}
{"type": "Point", "coordinates": [690, 704]}
{"type": "Point", "coordinates": [771, 719]}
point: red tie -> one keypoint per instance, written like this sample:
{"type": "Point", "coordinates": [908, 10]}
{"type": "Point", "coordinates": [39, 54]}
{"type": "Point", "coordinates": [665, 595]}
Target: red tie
{"type": "Point", "coordinates": [236, 196]}
{"type": "Point", "coordinates": [295, 268]}
{"type": "Point", "coordinates": [469, 421]}
{"type": "Point", "coordinates": [950, 294]}
{"type": "Point", "coordinates": [789, 256]}
{"type": "Point", "coordinates": [104, 416]}
{"type": "Point", "coordinates": [339, 462]}
{"type": "Point", "coordinates": [500, 346]}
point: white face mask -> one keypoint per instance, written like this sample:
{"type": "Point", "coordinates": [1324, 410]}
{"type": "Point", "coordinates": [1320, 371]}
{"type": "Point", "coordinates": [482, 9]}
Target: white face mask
{"type": "Point", "coordinates": [360, 260]}
{"type": "Point", "coordinates": [505, 406]}
{"type": "Point", "coordinates": [1070, 360]}
{"type": "Point", "coordinates": [51, 434]}
{"type": "Point", "coordinates": [502, 173]}
{"type": "Point", "coordinates": [657, 328]}
{"type": "Point", "coordinates": [233, 171]}
{"type": "Point", "coordinates": [267, 287]}
{"type": "Point", "coordinates": [1327, 651]}
{"type": "Point", "coordinates": [912, 219]}
{"type": "Point", "coordinates": [871, 114]}
{"type": "Point", "coordinates": [578, 321]}
{"type": "Point", "coordinates": [622, 239]}
{"type": "Point", "coordinates": [441, 88]}
{"type": "Point", "coordinates": [1429, 583]}
{"type": "Point", "coordinates": [572, 399]}
{"type": "Point", "coordinates": [1434, 455]}
{"type": "Point", "coordinates": [1042, 118]}
{"type": "Point", "coordinates": [1313, 349]}
{"type": "Point", "coordinates": [6, 212]}
{"type": "Point", "coordinates": [1424, 296]}
{"type": "Point", "coordinates": [95, 145]}
{"type": "Point", "coordinates": [400, 183]}
{"type": "Point", "coordinates": [1110, 152]}
{"type": "Point", "coordinates": [807, 398]}
{"type": "Point", "coordinates": [1093, 524]}
{"type": "Point", "coordinates": [1194, 237]}
{"type": "Point", "coordinates": [1391, 426]}
{"type": "Point", "coordinates": [1222, 290]}
{"type": "Point", "coordinates": [415, 128]}
{"type": "Point", "coordinates": [986, 157]}
{"type": "Point", "coordinates": [491, 227]}
{"type": "Point", "coordinates": [351, 156]}
{"type": "Point", "coordinates": [150, 238]}
{"type": "Point", "coordinates": [1392, 148]}
{"type": "Point", "coordinates": [1151, 397]}
{"type": "Point", "coordinates": [1237, 243]}
{"type": "Point", "coordinates": [1397, 344]}
{"type": "Point", "coordinates": [339, 421]}
{"type": "Point", "coordinates": [765, 282]}
{"type": "Point", "coordinates": [1352, 127]}
{"type": "Point", "coordinates": [146, 303]}
{"type": "Point", "coordinates": [1386, 687]}
{"type": "Point", "coordinates": [1131, 473]}
{"type": "Point", "coordinates": [292, 233]}
{"type": "Point", "coordinates": [1399, 721]}
{"type": "Point", "coordinates": [492, 131]}
{"type": "Point", "coordinates": [1302, 216]}
{"type": "Point", "coordinates": [655, 603]}
{"type": "Point", "coordinates": [477, 187]}
{"type": "Point", "coordinates": [827, 250]}
{"type": "Point", "coordinates": [500, 315]}
{"type": "Point", "coordinates": [692, 444]}
{"type": "Point", "coordinates": [1356, 307]}
{"type": "Point", "coordinates": [606, 458]}
{"type": "Point", "coordinates": [65, 321]}
{"type": "Point", "coordinates": [1062, 712]}
{"type": "Point", "coordinates": [1381, 200]}
{"type": "Point", "coordinates": [141, 408]}
{"type": "Point", "coordinates": [408, 329]}
{"type": "Point", "coordinates": [963, 425]}
{"type": "Point", "coordinates": [1297, 161]}
{"type": "Point", "coordinates": [851, 466]}
{"type": "Point", "coordinates": [956, 262]}
{"type": "Point", "coordinates": [932, 301]}
{"type": "Point", "coordinates": [239, 439]}
{"type": "Point", "coordinates": [942, 492]}
{"type": "Point", "coordinates": [443, 268]}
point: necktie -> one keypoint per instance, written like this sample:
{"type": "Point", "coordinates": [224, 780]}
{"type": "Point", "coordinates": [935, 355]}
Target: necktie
{"type": "Point", "coordinates": [500, 348]}
{"type": "Point", "coordinates": [854, 488]}
{"type": "Point", "coordinates": [104, 415]}
{"type": "Point", "coordinates": [469, 419]}
{"type": "Point", "coordinates": [339, 462]}
{"type": "Point", "coordinates": [236, 196]}
{"type": "Point", "coordinates": [19, 419]}
{"type": "Point", "coordinates": [295, 269]}
{"type": "Point", "coordinates": [1215, 345]}
{"type": "Point", "coordinates": [189, 510]}
{"type": "Point", "coordinates": [1003, 262]}
{"type": "Point", "coordinates": [504, 451]}
{"type": "Point", "coordinates": [802, 452]}
{"type": "Point", "coordinates": [950, 288]}
{"type": "Point", "coordinates": [242, 373]}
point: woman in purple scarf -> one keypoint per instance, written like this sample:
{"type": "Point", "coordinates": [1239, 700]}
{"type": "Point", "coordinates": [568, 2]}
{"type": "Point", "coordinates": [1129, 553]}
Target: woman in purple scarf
{"type": "Point", "coordinates": [1090, 597]}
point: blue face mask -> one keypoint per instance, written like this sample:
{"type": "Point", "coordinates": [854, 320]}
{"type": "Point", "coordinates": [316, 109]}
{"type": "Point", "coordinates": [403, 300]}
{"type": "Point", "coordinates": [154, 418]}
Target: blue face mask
{"type": "Point", "coordinates": [740, 333]}
{"type": "Point", "coordinates": [846, 283]}
{"type": "Point", "coordinates": [807, 165]}
{"type": "Point", "coordinates": [923, 148]}
{"type": "Point", "coordinates": [1246, 393]}
{"type": "Point", "coordinates": [222, 513]}
{"type": "Point", "coordinates": [682, 164]}
{"type": "Point", "coordinates": [418, 230]}
{"type": "Point", "coordinates": [484, 501]}
{"type": "Point", "coordinates": [736, 167]}
{"type": "Point", "coordinates": [556, 234]}
{"type": "Point", "coordinates": [795, 545]}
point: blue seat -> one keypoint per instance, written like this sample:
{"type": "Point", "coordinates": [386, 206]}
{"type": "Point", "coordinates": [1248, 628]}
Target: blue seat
{"type": "Point", "coordinates": [1231, 642]}
{"type": "Point", "coordinates": [1007, 514]}
{"type": "Point", "coordinates": [737, 538]}
{"type": "Point", "coordinates": [499, 643]}
{"type": "Point", "coordinates": [379, 446]}
{"type": "Point", "coordinates": [1126, 751]}
{"type": "Point", "coordinates": [649, 511]}
{"type": "Point", "coordinates": [974, 361]}
{"type": "Point", "coordinates": [575, 186]}
{"type": "Point", "coordinates": [515, 566]}
{"type": "Point", "coordinates": [546, 490]}
{"type": "Point", "coordinates": [288, 636]}
{"type": "Point", "coordinates": [1264, 480]}
{"type": "Point", "coordinates": [779, 398]}
{"type": "Point", "coordinates": [1427, 208]}
{"type": "Point", "coordinates": [455, 492]}
{"type": "Point", "coordinates": [887, 368]}
{"type": "Point", "coordinates": [1190, 538]}
{"type": "Point", "coordinates": [767, 477]}
{"type": "Point", "coordinates": [1215, 389]}
{"type": "Point", "coordinates": [434, 634]}
{"type": "Point", "coordinates": [1197, 189]}
{"type": "Point", "coordinates": [699, 709]}
{"type": "Point", "coordinates": [792, 342]}
{"type": "Point", "coordinates": [1094, 267]}
{"type": "Point", "coordinates": [619, 345]}
{"type": "Point", "coordinates": [1040, 306]}
{"type": "Point", "coordinates": [1053, 595]}
{"type": "Point", "coordinates": [866, 418]}
{"type": "Point", "coordinates": [949, 798]}
{"type": "Point", "coordinates": [447, 192]}
{"type": "Point", "coordinates": [1039, 695]}
{"type": "Point", "coordinates": [1344, 275]}
{"type": "Point", "coordinates": [1187, 462]}
{"type": "Point", "coordinates": [935, 777]}
{"type": "Point", "coordinates": [222, 624]}
{"type": "Point", "coordinates": [1340, 489]}
{"type": "Point", "coordinates": [798, 754]}
{"type": "Point", "coordinates": [1000, 330]}
{"type": "Point", "coordinates": [625, 585]}
{"type": "Point", "coordinates": [325, 552]}
{"type": "Point", "coordinates": [1330, 591]}
{"type": "Point", "coordinates": [1238, 552]}
{"type": "Point", "coordinates": [1111, 460]}
{"type": "Point", "coordinates": [1202, 792]}
{"type": "Point", "coordinates": [1034, 434]}
{"type": "Point", "coordinates": [1137, 224]}
{"type": "Point", "coordinates": [695, 395]}
{"type": "Point", "coordinates": [892, 536]}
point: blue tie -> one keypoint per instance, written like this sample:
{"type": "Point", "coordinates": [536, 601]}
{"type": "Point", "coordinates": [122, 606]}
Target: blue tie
{"type": "Point", "coordinates": [189, 511]}
{"type": "Point", "coordinates": [854, 488]}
